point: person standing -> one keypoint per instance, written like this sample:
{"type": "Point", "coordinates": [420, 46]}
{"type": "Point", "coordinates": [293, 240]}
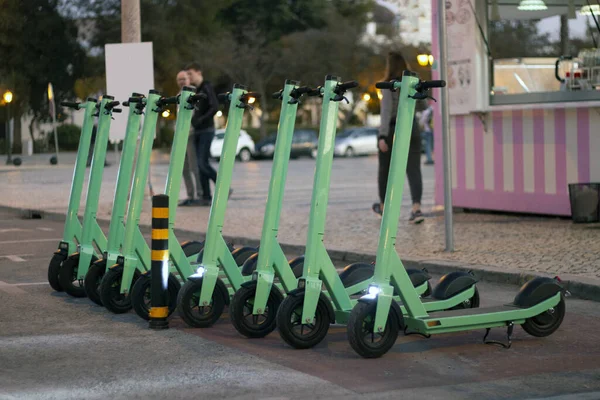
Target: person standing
{"type": "Point", "coordinates": [203, 127]}
{"type": "Point", "coordinates": [426, 123]}
{"type": "Point", "coordinates": [191, 175]}
{"type": "Point", "coordinates": [396, 65]}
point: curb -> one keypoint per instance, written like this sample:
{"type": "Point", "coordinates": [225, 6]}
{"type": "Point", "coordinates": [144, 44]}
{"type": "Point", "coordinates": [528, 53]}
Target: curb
{"type": "Point", "coordinates": [587, 290]}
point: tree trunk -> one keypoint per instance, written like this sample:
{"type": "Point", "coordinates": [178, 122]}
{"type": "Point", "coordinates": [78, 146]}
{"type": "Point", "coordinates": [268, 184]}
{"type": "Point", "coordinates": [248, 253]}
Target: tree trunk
{"type": "Point", "coordinates": [17, 142]}
{"type": "Point", "coordinates": [265, 109]}
{"type": "Point", "coordinates": [564, 35]}
{"type": "Point", "coordinates": [131, 25]}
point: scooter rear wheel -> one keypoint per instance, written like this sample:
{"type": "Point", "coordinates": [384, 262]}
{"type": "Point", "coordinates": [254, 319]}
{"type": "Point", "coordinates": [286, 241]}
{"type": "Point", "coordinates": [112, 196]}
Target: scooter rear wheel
{"type": "Point", "coordinates": [68, 276]}
{"type": "Point", "coordinates": [240, 312]}
{"type": "Point", "coordinates": [547, 322]}
{"type": "Point", "coordinates": [110, 290]}
{"type": "Point", "coordinates": [54, 271]}
{"type": "Point", "coordinates": [361, 331]}
{"type": "Point", "coordinates": [191, 312]}
{"type": "Point", "coordinates": [291, 328]}
{"type": "Point", "coordinates": [141, 295]}
{"type": "Point", "coordinates": [93, 279]}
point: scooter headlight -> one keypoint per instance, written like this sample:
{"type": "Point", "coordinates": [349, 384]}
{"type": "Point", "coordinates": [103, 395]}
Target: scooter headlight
{"type": "Point", "coordinates": [199, 272]}
{"type": "Point", "coordinates": [372, 293]}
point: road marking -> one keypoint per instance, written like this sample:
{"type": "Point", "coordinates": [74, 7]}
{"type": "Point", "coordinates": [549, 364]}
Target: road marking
{"type": "Point", "coordinates": [45, 229]}
{"type": "Point", "coordinates": [16, 258]}
{"type": "Point", "coordinates": [30, 284]}
{"type": "Point", "coordinates": [7, 230]}
{"type": "Point", "coordinates": [10, 289]}
{"type": "Point", "coordinates": [29, 241]}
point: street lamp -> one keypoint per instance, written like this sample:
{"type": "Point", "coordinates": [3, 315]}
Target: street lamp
{"type": "Point", "coordinates": [166, 113]}
{"type": "Point", "coordinates": [366, 97]}
{"type": "Point", "coordinates": [8, 96]}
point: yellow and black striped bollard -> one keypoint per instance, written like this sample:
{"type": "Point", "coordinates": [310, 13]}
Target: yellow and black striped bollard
{"type": "Point", "coordinates": [159, 299]}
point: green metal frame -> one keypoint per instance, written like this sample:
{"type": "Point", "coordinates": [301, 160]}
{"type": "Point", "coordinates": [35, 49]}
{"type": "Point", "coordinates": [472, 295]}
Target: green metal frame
{"type": "Point", "coordinates": [73, 227]}
{"type": "Point", "coordinates": [216, 252]}
{"type": "Point", "coordinates": [389, 270]}
{"type": "Point", "coordinates": [92, 233]}
{"type": "Point", "coordinates": [116, 230]}
{"type": "Point", "coordinates": [136, 252]}
{"type": "Point", "coordinates": [271, 259]}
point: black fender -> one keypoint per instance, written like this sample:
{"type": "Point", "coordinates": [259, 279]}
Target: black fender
{"type": "Point", "coordinates": [61, 252]}
{"type": "Point", "coordinates": [249, 265]}
{"type": "Point", "coordinates": [297, 266]}
{"type": "Point", "coordinates": [535, 291]}
{"type": "Point", "coordinates": [453, 283]}
{"type": "Point", "coordinates": [330, 312]}
{"type": "Point", "coordinates": [241, 251]}
{"type": "Point", "coordinates": [201, 252]}
{"type": "Point", "coordinates": [350, 268]}
{"type": "Point", "coordinates": [418, 276]}
{"type": "Point", "coordinates": [191, 247]}
{"type": "Point", "coordinates": [220, 286]}
{"type": "Point", "coordinates": [395, 308]}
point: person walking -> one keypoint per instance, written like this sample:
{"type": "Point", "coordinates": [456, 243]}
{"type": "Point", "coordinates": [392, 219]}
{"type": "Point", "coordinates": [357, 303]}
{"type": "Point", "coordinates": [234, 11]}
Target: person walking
{"type": "Point", "coordinates": [396, 65]}
{"type": "Point", "coordinates": [191, 175]}
{"type": "Point", "coordinates": [204, 128]}
{"type": "Point", "coordinates": [426, 123]}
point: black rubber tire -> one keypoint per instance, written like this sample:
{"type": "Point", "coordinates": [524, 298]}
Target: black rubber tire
{"type": "Point", "coordinates": [547, 323]}
{"type": "Point", "coordinates": [192, 247]}
{"type": "Point", "coordinates": [349, 152]}
{"type": "Point", "coordinates": [249, 265]}
{"type": "Point", "coordinates": [245, 155]}
{"type": "Point", "coordinates": [68, 273]}
{"type": "Point", "coordinates": [288, 316]}
{"type": "Point", "coordinates": [473, 302]}
{"type": "Point", "coordinates": [241, 254]}
{"type": "Point", "coordinates": [92, 281]}
{"type": "Point", "coordinates": [240, 312]}
{"type": "Point", "coordinates": [110, 289]}
{"type": "Point", "coordinates": [427, 292]}
{"type": "Point", "coordinates": [297, 266]}
{"type": "Point", "coordinates": [361, 324]}
{"type": "Point", "coordinates": [141, 295]}
{"type": "Point", "coordinates": [54, 271]}
{"type": "Point", "coordinates": [191, 313]}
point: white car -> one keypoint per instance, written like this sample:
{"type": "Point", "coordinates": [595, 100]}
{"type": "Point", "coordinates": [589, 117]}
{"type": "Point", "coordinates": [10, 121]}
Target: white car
{"type": "Point", "coordinates": [356, 141]}
{"type": "Point", "coordinates": [245, 145]}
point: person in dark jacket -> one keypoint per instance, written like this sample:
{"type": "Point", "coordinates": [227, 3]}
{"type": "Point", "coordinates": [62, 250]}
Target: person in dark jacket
{"type": "Point", "coordinates": [396, 64]}
{"type": "Point", "coordinates": [203, 128]}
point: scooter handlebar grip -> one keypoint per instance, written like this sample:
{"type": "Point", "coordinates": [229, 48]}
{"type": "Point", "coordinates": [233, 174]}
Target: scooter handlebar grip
{"type": "Point", "coordinates": [195, 97]}
{"type": "Point", "coordinates": [223, 97]}
{"type": "Point", "coordinates": [167, 100]}
{"type": "Point", "coordinates": [384, 85]}
{"type": "Point", "coordinates": [112, 104]}
{"type": "Point", "coordinates": [116, 110]}
{"type": "Point", "coordinates": [347, 85]}
{"type": "Point", "coordinates": [70, 104]}
{"type": "Point", "coordinates": [314, 92]}
{"type": "Point", "coordinates": [276, 95]}
{"type": "Point", "coordinates": [135, 100]}
{"type": "Point", "coordinates": [430, 84]}
{"type": "Point", "coordinates": [300, 91]}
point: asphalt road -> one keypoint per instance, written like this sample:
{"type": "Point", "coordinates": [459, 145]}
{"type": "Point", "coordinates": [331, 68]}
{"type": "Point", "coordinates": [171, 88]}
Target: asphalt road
{"type": "Point", "coordinates": [56, 347]}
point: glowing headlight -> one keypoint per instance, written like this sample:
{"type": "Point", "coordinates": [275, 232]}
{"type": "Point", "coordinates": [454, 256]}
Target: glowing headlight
{"type": "Point", "coordinates": [374, 290]}
{"type": "Point", "coordinates": [199, 273]}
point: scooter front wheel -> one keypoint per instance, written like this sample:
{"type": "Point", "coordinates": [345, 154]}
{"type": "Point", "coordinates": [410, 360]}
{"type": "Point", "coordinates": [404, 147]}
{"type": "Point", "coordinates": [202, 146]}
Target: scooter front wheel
{"type": "Point", "coordinates": [54, 271]}
{"type": "Point", "coordinates": [291, 327]}
{"type": "Point", "coordinates": [110, 291]}
{"type": "Point", "coordinates": [92, 281]}
{"type": "Point", "coordinates": [546, 323]}
{"type": "Point", "coordinates": [68, 279]}
{"type": "Point", "coordinates": [361, 331]}
{"type": "Point", "coordinates": [191, 312]}
{"type": "Point", "coordinates": [240, 311]}
{"type": "Point", "coordinates": [141, 295]}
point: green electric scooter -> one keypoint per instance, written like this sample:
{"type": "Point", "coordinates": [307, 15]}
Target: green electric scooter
{"type": "Point", "coordinates": [254, 306]}
{"type": "Point", "coordinates": [203, 297]}
{"type": "Point", "coordinates": [376, 319]}
{"type": "Point", "coordinates": [116, 228]}
{"type": "Point", "coordinates": [74, 268]}
{"type": "Point", "coordinates": [116, 285]}
{"type": "Point", "coordinates": [305, 314]}
{"type": "Point", "coordinates": [72, 230]}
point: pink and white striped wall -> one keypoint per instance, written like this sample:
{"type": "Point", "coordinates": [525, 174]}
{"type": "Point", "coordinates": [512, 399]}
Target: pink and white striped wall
{"type": "Point", "coordinates": [518, 160]}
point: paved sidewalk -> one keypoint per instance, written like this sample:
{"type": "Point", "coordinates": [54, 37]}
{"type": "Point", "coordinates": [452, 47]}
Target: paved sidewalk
{"type": "Point", "coordinates": [512, 243]}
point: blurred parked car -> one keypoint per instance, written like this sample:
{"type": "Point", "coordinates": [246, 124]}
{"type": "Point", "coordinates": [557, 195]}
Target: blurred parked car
{"type": "Point", "coordinates": [304, 143]}
{"type": "Point", "coordinates": [245, 145]}
{"type": "Point", "coordinates": [356, 141]}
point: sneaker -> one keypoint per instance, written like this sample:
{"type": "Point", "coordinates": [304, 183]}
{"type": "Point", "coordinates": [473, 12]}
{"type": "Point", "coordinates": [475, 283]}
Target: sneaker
{"type": "Point", "coordinates": [186, 203]}
{"type": "Point", "coordinates": [416, 217]}
{"type": "Point", "coordinates": [230, 192]}
{"type": "Point", "coordinates": [376, 207]}
{"type": "Point", "coordinates": [205, 202]}
{"type": "Point", "coordinates": [429, 162]}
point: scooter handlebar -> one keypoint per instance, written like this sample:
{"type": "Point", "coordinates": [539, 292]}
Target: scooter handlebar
{"type": "Point", "coordinates": [70, 104]}
{"type": "Point", "coordinates": [276, 95]}
{"type": "Point", "coordinates": [346, 85]}
{"type": "Point", "coordinates": [314, 92]}
{"type": "Point", "coordinates": [116, 110]}
{"type": "Point", "coordinates": [385, 85]}
{"type": "Point", "coordinates": [223, 97]}
{"type": "Point", "coordinates": [425, 85]}
{"type": "Point", "coordinates": [298, 92]}
{"type": "Point", "coordinates": [195, 97]}
{"type": "Point", "coordinates": [112, 104]}
{"type": "Point", "coordinates": [249, 95]}
{"type": "Point", "coordinates": [163, 101]}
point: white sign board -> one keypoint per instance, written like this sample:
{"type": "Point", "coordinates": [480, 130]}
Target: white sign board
{"type": "Point", "coordinates": [462, 57]}
{"type": "Point", "coordinates": [129, 69]}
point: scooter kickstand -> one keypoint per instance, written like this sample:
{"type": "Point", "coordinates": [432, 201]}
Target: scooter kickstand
{"type": "Point", "coordinates": [509, 332]}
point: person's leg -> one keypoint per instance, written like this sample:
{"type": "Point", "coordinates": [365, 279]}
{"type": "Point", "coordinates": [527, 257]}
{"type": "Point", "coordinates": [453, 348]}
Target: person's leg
{"type": "Point", "coordinates": [188, 180]}
{"type": "Point", "coordinates": [204, 182]}
{"type": "Point", "coordinates": [207, 168]}
{"type": "Point", "coordinates": [428, 146]}
{"type": "Point", "coordinates": [193, 165]}
{"type": "Point", "coordinates": [415, 179]}
{"type": "Point", "coordinates": [382, 176]}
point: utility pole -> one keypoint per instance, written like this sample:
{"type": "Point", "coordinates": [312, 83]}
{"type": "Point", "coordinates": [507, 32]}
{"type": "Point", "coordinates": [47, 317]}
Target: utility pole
{"type": "Point", "coordinates": [131, 24]}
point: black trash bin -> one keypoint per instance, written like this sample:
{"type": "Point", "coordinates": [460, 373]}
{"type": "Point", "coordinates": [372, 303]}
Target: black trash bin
{"type": "Point", "coordinates": [585, 202]}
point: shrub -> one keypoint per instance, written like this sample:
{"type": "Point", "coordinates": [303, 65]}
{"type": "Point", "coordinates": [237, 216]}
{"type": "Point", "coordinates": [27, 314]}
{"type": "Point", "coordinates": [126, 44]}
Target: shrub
{"type": "Point", "coordinates": [68, 137]}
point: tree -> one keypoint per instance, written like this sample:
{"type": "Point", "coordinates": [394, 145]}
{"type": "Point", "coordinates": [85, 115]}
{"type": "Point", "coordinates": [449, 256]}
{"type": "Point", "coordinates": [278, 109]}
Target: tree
{"type": "Point", "coordinates": [38, 46]}
{"type": "Point", "coordinates": [512, 39]}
